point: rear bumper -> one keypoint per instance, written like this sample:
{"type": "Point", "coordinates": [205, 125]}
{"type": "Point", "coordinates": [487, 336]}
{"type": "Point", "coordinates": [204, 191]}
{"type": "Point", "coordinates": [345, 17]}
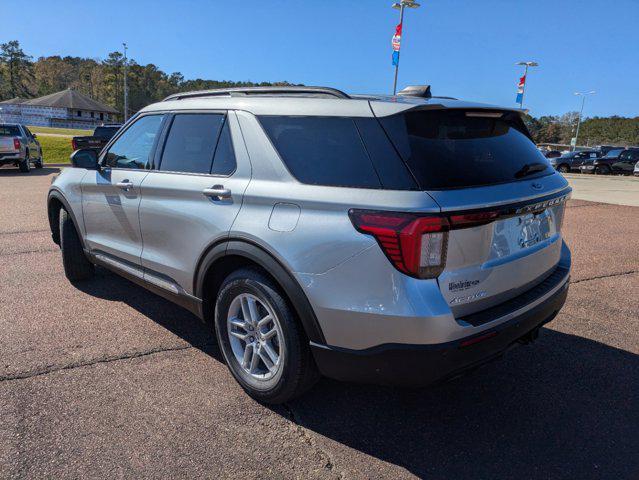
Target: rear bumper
{"type": "Point", "coordinates": [414, 365]}
{"type": "Point", "coordinates": [9, 158]}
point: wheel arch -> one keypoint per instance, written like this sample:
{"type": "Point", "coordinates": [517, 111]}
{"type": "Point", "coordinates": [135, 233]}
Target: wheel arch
{"type": "Point", "coordinates": [55, 202]}
{"type": "Point", "coordinates": [224, 257]}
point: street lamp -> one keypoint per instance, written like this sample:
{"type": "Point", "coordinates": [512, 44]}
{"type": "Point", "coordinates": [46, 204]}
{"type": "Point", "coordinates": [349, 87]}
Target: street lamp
{"type": "Point", "coordinates": [527, 64]}
{"type": "Point", "coordinates": [401, 5]}
{"type": "Point", "coordinates": [126, 93]}
{"type": "Point", "coordinates": [583, 96]}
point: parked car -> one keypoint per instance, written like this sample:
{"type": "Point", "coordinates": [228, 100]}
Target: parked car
{"type": "Point", "coordinates": [604, 149]}
{"type": "Point", "coordinates": [626, 162]}
{"type": "Point", "coordinates": [317, 233]}
{"type": "Point", "coordinates": [552, 153]}
{"type": "Point", "coordinates": [19, 147]}
{"type": "Point", "coordinates": [601, 165]}
{"type": "Point", "coordinates": [101, 136]}
{"type": "Point", "coordinates": [636, 170]}
{"type": "Point", "coordinates": [571, 161]}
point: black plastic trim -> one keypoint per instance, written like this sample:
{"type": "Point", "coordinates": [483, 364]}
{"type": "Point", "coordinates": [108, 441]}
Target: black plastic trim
{"type": "Point", "coordinates": [418, 365]}
{"type": "Point", "coordinates": [501, 310]}
{"type": "Point", "coordinates": [247, 249]}
{"type": "Point", "coordinates": [193, 304]}
{"type": "Point", "coordinates": [57, 194]}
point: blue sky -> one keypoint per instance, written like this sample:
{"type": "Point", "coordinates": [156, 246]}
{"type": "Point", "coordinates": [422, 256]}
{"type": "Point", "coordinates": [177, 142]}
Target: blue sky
{"type": "Point", "coordinates": [465, 49]}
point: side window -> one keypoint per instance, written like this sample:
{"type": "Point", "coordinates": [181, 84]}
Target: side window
{"type": "Point", "coordinates": [133, 148]}
{"type": "Point", "coordinates": [322, 150]}
{"type": "Point", "coordinates": [224, 161]}
{"type": "Point", "coordinates": [191, 142]}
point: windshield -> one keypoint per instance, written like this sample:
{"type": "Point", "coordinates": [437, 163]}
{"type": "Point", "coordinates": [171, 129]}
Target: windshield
{"type": "Point", "coordinates": [9, 131]}
{"type": "Point", "coordinates": [447, 149]}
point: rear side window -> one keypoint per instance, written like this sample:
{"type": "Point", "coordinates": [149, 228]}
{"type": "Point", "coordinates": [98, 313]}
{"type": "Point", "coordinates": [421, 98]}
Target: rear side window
{"type": "Point", "coordinates": [447, 149]}
{"type": "Point", "coordinates": [322, 150]}
{"type": "Point", "coordinates": [9, 131]}
{"type": "Point", "coordinates": [191, 143]}
{"type": "Point", "coordinates": [224, 160]}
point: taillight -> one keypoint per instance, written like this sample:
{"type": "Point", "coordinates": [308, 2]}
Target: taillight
{"type": "Point", "coordinates": [416, 244]}
{"type": "Point", "coordinates": [74, 145]}
{"type": "Point", "coordinates": [16, 143]}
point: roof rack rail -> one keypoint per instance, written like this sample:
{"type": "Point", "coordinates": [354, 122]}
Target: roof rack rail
{"type": "Point", "coordinates": [241, 91]}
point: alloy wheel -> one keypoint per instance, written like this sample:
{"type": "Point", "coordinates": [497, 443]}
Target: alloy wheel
{"type": "Point", "coordinates": [255, 335]}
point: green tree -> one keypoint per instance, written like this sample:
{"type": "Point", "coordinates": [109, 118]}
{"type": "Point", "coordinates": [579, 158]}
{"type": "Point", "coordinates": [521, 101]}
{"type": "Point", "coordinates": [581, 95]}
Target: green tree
{"type": "Point", "coordinates": [16, 70]}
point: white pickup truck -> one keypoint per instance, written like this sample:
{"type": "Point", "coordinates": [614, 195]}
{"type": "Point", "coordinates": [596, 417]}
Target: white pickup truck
{"type": "Point", "coordinates": [19, 147]}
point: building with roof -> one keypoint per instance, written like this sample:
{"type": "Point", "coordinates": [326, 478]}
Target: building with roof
{"type": "Point", "coordinates": [66, 109]}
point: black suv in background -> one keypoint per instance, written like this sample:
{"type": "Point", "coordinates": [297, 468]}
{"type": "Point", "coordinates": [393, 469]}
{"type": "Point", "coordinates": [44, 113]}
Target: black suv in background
{"type": "Point", "coordinates": [571, 161]}
{"type": "Point", "coordinates": [626, 162]}
{"type": "Point", "coordinates": [601, 165]}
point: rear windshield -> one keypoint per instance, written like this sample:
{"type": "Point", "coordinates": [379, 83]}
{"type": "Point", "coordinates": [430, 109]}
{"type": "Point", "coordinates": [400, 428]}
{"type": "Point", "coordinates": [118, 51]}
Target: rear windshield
{"type": "Point", "coordinates": [446, 149]}
{"type": "Point", "coordinates": [105, 132]}
{"type": "Point", "coordinates": [9, 131]}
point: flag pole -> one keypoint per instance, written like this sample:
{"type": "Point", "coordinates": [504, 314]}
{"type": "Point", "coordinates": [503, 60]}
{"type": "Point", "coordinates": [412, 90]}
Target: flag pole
{"type": "Point", "coordinates": [401, 22]}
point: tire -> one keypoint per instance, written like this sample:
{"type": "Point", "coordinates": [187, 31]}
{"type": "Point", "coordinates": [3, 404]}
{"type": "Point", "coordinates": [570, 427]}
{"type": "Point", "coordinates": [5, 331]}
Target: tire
{"type": "Point", "coordinates": [295, 371]}
{"type": "Point", "coordinates": [25, 165]}
{"type": "Point", "coordinates": [38, 163]}
{"type": "Point", "coordinates": [76, 265]}
{"type": "Point", "coordinates": [563, 168]}
{"type": "Point", "coordinates": [603, 170]}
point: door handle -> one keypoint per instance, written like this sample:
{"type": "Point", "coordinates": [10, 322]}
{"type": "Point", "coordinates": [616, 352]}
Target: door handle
{"type": "Point", "coordinates": [125, 185]}
{"type": "Point", "coordinates": [218, 192]}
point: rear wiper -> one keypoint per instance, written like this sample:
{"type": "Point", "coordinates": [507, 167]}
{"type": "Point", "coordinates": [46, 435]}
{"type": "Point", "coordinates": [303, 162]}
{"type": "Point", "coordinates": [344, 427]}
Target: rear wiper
{"type": "Point", "coordinates": [529, 169]}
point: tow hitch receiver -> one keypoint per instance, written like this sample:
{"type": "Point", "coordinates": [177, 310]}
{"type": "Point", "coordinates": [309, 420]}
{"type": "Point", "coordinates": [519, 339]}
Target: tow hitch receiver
{"type": "Point", "coordinates": [530, 337]}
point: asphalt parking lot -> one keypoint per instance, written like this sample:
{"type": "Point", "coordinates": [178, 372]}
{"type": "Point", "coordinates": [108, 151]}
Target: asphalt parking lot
{"type": "Point", "coordinates": [107, 380]}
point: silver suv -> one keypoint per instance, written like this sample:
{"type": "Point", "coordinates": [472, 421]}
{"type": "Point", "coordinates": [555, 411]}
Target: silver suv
{"type": "Point", "coordinates": [394, 240]}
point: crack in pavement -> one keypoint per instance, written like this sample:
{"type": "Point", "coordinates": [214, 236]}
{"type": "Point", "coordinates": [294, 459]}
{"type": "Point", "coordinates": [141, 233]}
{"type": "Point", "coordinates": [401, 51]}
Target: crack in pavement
{"type": "Point", "coordinates": [329, 464]}
{"type": "Point", "coordinates": [597, 277]}
{"type": "Point", "coordinates": [17, 232]}
{"type": "Point", "coordinates": [25, 252]}
{"type": "Point", "coordinates": [96, 361]}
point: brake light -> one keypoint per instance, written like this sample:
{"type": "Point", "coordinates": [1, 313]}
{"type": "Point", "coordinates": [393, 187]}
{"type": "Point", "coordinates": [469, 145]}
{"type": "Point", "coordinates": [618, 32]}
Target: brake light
{"type": "Point", "coordinates": [16, 143]}
{"type": "Point", "coordinates": [416, 244]}
{"type": "Point", "coordinates": [467, 220]}
{"type": "Point", "coordinates": [74, 145]}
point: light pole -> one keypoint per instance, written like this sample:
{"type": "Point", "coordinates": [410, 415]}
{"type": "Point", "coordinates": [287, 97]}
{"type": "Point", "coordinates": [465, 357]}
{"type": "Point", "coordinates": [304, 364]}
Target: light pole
{"type": "Point", "coordinates": [126, 92]}
{"type": "Point", "coordinates": [400, 6]}
{"type": "Point", "coordinates": [527, 64]}
{"type": "Point", "coordinates": [583, 101]}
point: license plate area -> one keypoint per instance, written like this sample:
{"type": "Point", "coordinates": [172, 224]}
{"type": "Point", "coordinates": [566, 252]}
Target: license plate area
{"type": "Point", "coordinates": [515, 234]}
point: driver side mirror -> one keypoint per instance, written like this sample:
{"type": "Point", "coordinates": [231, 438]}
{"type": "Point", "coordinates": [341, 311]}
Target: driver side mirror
{"type": "Point", "coordinates": [85, 158]}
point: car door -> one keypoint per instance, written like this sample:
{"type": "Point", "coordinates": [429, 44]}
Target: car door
{"type": "Point", "coordinates": [111, 195]}
{"type": "Point", "coordinates": [623, 162]}
{"type": "Point", "coordinates": [191, 198]}
{"type": "Point", "coordinates": [34, 146]}
{"type": "Point", "coordinates": [629, 165]}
